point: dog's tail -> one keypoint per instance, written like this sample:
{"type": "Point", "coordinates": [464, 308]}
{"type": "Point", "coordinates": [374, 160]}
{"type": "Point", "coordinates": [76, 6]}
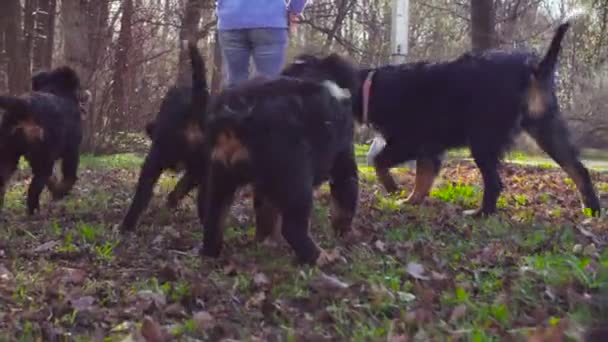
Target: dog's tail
{"type": "Point", "coordinates": [200, 90]}
{"type": "Point", "coordinates": [546, 67]}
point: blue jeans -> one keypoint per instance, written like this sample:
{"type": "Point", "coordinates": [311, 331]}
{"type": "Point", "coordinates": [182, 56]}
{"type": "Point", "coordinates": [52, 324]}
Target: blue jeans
{"type": "Point", "coordinates": [266, 45]}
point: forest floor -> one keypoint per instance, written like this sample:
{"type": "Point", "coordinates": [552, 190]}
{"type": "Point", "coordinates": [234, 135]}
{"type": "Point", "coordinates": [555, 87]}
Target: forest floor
{"type": "Point", "coordinates": [535, 271]}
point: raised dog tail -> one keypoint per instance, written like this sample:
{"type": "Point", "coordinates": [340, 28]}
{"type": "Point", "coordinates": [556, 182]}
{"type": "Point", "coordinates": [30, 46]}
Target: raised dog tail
{"type": "Point", "coordinates": [547, 65]}
{"type": "Point", "coordinates": [200, 90]}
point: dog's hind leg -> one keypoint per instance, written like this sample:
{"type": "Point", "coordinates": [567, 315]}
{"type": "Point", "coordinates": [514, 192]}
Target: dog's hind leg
{"type": "Point", "coordinates": [185, 184]}
{"type": "Point", "coordinates": [267, 219]}
{"type": "Point", "coordinates": [69, 171]}
{"type": "Point", "coordinates": [150, 172]}
{"type": "Point", "coordinates": [344, 185]}
{"type": "Point", "coordinates": [392, 154]}
{"type": "Point", "coordinates": [220, 189]}
{"type": "Point", "coordinates": [551, 134]}
{"type": "Point", "coordinates": [487, 160]}
{"type": "Point", "coordinates": [42, 171]}
{"type": "Point", "coordinates": [427, 169]}
{"type": "Point", "coordinates": [295, 213]}
{"type": "Point", "coordinates": [8, 166]}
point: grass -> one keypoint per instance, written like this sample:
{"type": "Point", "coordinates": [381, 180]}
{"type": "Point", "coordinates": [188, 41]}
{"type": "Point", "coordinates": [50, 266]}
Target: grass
{"type": "Point", "coordinates": [482, 279]}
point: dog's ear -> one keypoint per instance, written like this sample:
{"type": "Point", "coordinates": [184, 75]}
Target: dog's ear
{"type": "Point", "coordinates": [39, 79]}
{"type": "Point", "coordinates": [343, 72]}
{"type": "Point", "coordinates": [150, 126]}
{"type": "Point", "coordinates": [64, 77]}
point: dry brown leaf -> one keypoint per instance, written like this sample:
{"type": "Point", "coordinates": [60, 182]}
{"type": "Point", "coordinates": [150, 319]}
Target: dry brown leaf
{"type": "Point", "coordinates": [326, 284]}
{"type": "Point", "coordinates": [255, 301]}
{"type": "Point", "coordinates": [458, 313]}
{"type": "Point", "coordinates": [416, 270]}
{"type": "Point", "coordinates": [153, 332]}
{"type": "Point", "coordinates": [47, 246]}
{"type": "Point", "coordinates": [204, 321]}
{"type": "Point", "coordinates": [5, 275]}
{"type": "Point", "coordinates": [261, 280]}
{"type": "Point", "coordinates": [82, 303]}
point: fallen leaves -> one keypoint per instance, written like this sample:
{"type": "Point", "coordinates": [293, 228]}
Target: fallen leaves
{"type": "Point", "coordinates": [438, 275]}
{"type": "Point", "coordinates": [204, 321]}
{"type": "Point", "coordinates": [416, 270]}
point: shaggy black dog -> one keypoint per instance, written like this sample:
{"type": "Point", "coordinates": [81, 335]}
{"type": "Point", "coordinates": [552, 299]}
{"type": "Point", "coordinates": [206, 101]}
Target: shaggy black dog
{"type": "Point", "coordinates": [480, 100]}
{"type": "Point", "coordinates": [43, 126]}
{"type": "Point", "coordinates": [177, 142]}
{"type": "Point", "coordinates": [285, 137]}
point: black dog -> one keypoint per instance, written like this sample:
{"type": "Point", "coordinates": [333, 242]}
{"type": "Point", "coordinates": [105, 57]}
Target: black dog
{"type": "Point", "coordinates": [480, 100]}
{"type": "Point", "coordinates": [285, 137]}
{"type": "Point", "coordinates": [43, 126]}
{"type": "Point", "coordinates": [177, 142]}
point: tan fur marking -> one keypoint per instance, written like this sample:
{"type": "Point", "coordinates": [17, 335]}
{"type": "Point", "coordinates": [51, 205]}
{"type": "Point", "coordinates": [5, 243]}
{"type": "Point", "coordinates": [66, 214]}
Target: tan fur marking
{"type": "Point", "coordinates": [229, 149]}
{"type": "Point", "coordinates": [536, 99]}
{"type": "Point", "coordinates": [341, 219]}
{"type": "Point", "coordinates": [60, 188]}
{"type": "Point", "coordinates": [425, 175]}
{"type": "Point", "coordinates": [268, 223]}
{"type": "Point", "coordinates": [32, 131]}
{"type": "Point", "coordinates": [194, 135]}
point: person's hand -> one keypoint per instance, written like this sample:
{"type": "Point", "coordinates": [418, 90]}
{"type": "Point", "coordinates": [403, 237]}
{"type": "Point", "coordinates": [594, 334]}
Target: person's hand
{"type": "Point", "coordinates": [294, 19]}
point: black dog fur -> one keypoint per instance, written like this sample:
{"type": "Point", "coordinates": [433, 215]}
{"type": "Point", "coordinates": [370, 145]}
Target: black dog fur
{"type": "Point", "coordinates": [43, 126]}
{"type": "Point", "coordinates": [177, 142]}
{"type": "Point", "coordinates": [480, 100]}
{"type": "Point", "coordinates": [285, 137]}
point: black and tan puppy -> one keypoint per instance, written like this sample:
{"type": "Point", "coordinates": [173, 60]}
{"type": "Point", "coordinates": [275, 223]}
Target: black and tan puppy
{"type": "Point", "coordinates": [480, 100]}
{"type": "Point", "coordinates": [177, 142]}
{"type": "Point", "coordinates": [43, 126]}
{"type": "Point", "coordinates": [285, 137]}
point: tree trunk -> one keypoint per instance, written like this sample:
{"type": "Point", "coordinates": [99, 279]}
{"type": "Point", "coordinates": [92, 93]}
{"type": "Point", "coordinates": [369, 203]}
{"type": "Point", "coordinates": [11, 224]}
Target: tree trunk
{"type": "Point", "coordinates": [45, 34]}
{"type": "Point", "coordinates": [216, 75]}
{"type": "Point", "coordinates": [188, 30]}
{"type": "Point", "coordinates": [482, 25]}
{"type": "Point", "coordinates": [77, 52]}
{"type": "Point", "coordinates": [120, 84]}
{"type": "Point", "coordinates": [17, 82]}
{"type": "Point", "coordinates": [28, 37]}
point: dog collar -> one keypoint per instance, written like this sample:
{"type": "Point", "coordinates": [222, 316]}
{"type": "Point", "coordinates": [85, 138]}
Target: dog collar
{"type": "Point", "coordinates": [367, 88]}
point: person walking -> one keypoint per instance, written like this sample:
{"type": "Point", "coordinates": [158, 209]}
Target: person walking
{"type": "Point", "coordinates": [255, 29]}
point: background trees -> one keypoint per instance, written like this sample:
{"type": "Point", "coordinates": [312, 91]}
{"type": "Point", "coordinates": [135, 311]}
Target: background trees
{"type": "Point", "coordinates": [128, 51]}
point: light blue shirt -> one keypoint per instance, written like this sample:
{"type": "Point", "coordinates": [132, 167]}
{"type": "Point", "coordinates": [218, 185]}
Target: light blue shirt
{"type": "Point", "coordinates": [245, 14]}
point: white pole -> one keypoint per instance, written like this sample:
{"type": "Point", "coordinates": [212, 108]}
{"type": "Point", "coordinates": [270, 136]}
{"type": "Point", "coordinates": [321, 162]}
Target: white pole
{"type": "Point", "coordinates": [399, 31]}
{"type": "Point", "coordinates": [400, 20]}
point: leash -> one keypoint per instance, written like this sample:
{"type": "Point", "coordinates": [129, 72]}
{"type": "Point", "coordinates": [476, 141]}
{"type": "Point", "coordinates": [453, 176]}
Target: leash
{"type": "Point", "coordinates": [367, 88]}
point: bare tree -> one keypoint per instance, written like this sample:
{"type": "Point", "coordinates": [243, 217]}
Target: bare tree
{"type": "Point", "coordinates": [13, 43]}
{"type": "Point", "coordinates": [121, 82]}
{"type": "Point", "coordinates": [44, 34]}
{"type": "Point", "coordinates": [482, 25]}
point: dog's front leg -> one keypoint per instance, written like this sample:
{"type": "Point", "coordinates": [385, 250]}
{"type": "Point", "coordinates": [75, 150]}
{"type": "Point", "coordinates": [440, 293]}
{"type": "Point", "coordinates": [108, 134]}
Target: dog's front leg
{"type": "Point", "coordinates": [220, 191]}
{"type": "Point", "coordinates": [344, 187]}
{"type": "Point", "coordinates": [391, 155]}
{"type": "Point", "coordinates": [427, 169]}
{"type": "Point", "coordinates": [185, 184]}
